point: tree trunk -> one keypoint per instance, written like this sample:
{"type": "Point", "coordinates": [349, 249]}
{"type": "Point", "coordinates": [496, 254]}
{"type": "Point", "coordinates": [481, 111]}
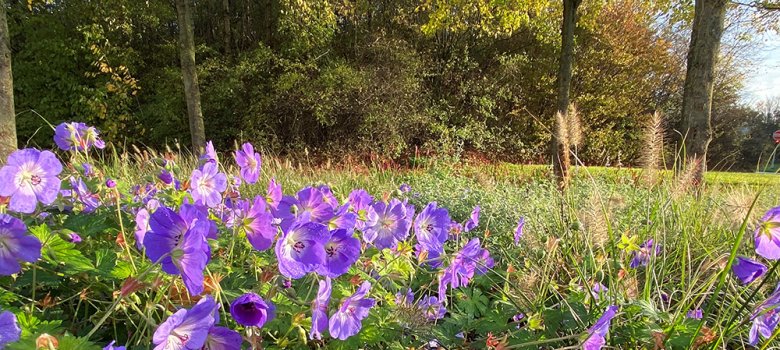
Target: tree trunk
{"type": "Point", "coordinates": [7, 115]}
{"type": "Point", "coordinates": [560, 148]}
{"type": "Point", "coordinates": [697, 96]}
{"type": "Point", "coordinates": [226, 26]}
{"type": "Point", "coordinates": [189, 74]}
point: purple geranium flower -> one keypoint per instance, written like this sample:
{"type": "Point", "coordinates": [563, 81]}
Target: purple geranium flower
{"type": "Point", "coordinates": [432, 308]}
{"type": "Point", "coordinates": [302, 249]}
{"type": "Point", "coordinates": [312, 203]}
{"type": "Point", "coordinates": [695, 314]}
{"type": "Point", "coordinates": [405, 188]}
{"type": "Point", "coordinates": [83, 194]}
{"type": "Point", "coordinates": [347, 320]}
{"type": "Point", "coordinates": [74, 237]}
{"type": "Point", "coordinates": [519, 230]}
{"type": "Point", "coordinates": [186, 329]}
{"type": "Point", "coordinates": [249, 161]}
{"type": "Point", "coordinates": [110, 183]}
{"type": "Point", "coordinates": [319, 310]}
{"type": "Point", "coordinates": [274, 194]}
{"type": "Point", "coordinates": [343, 219]}
{"type": "Point", "coordinates": [599, 289]}
{"type": "Point", "coordinates": [142, 221]}
{"type": "Point", "coordinates": [209, 155]}
{"type": "Point", "coordinates": [111, 346]}
{"type": "Point", "coordinates": [193, 213]}
{"type": "Point", "coordinates": [386, 224]}
{"type": "Point", "coordinates": [642, 256]}
{"type": "Point", "coordinates": [431, 227]}
{"type": "Point", "coordinates": [517, 318]}
{"type": "Point", "coordinates": [767, 235]}
{"type": "Point", "coordinates": [16, 245]}
{"type": "Point", "coordinates": [9, 328]}
{"type": "Point", "coordinates": [473, 220]}
{"type": "Point", "coordinates": [468, 261]}
{"type": "Point", "coordinates": [598, 333]}
{"type": "Point", "coordinates": [747, 270]}
{"type": "Point", "coordinates": [765, 318]}
{"type": "Point", "coordinates": [77, 137]}
{"type": "Point", "coordinates": [30, 176]}
{"type": "Point", "coordinates": [207, 184]}
{"type": "Point", "coordinates": [179, 248]}
{"type": "Point", "coordinates": [405, 299]}
{"type": "Point", "coordinates": [251, 310]}
{"type": "Point", "coordinates": [341, 251]}
{"type": "Point", "coordinates": [88, 170]}
{"type": "Point", "coordinates": [359, 200]}
{"type": "Point", "coordinates": [257, 222]}
{"type": "Point", "coordinates": [165, 176]}
{"type": "Point", "coordinates": [221, 338]}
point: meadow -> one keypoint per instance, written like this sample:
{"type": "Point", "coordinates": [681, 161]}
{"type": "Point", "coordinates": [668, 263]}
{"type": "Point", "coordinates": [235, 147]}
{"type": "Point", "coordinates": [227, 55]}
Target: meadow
{"type": "Point", "coordinates": [225, 250]}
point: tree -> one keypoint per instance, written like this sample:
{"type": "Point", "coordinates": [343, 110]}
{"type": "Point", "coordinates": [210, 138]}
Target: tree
{"type": "Point", "coordinates": [560, 149]}
{"type": "Point", "coordinates": [7, 115]}
{"type": "Point", "coordinates": [189, 75]}
{"type": "Point", "coordinates": [709, 16]}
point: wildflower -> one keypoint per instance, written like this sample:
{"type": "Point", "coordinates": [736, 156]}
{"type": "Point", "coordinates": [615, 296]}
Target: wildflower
{"type": "Point", "coordinates": [111, 346]}
{"type": "Point", "coordinates": [463, 267]}
{"type": "Point", "coordinates": [319, 310]}
{"type": "Point", "coordinates": [767, 235]}
{"type": "Point", "coordinates": [29, 177]}
{"type": "Point", "coordinates": [311, 202]}
{"type": "Point", "coordinates": [695, 314]}
{"type": "Point", "coordinates": [519, 230]}
{"type": "Point", "coordinates": [301, 249]}
{"type": "Point", "coordinates": [404, 188]}
{"type": "Point", "coordinates": [186, 329]}
{"type": "Point", "coordinates": [15, 245]}
{"type": "Point", "coordinates": [9, 328]}
{"type": "Point", "coordinates": [90, 200]}
{"type": "Point", "coordinates": [431, 225]}
{"type": "Point", "coordinates": [405, 299]}
{"type": "Point", "coordinates": [747, 270]}
{"type": "Point", "coordinates": [765, 318]}
{"type": "Point", "coordinates": [473, 221]}
{"type": "Point", "coordinates": [343, 219]}
{"type": "Point", "coordinates": [207, 184]}
{"type": "Point", "coordinates": [432, 308]}
{"type": "Point", "coordinates": [347, 320]}
{"type": "Point", "coordinates": [209, 155]}
{"type": "Point", "coordinates": [165, 176]}
{"type": "Point", "coordinates": [251, 310]}
{"type": "Point", "coordinates": [110, 183]}
{"type": "Point", "coordinates": [598, 332]}
{"type": "Point", "coordinates": [642, 256]}
{"type": "Point", "coordinates": [341, 251]}
{"type": "Point", "coordinates": [179, 248]}
{"type": "Point", "coordinates": [328, 196]}
{"type": "Point", "coordinates": [74, 237]}
{"type": "Point", "coordinates": [221, 338]}
{"type": "Point", "coordinates": [517, 318]}
{"type": "Point", "coordinates": [249, 161]}
{"type": "Point", "coordinates": [258, 225]}
{"type": "Point", "coordinates": [386, 224]}
{"type": "Point", "coordinates": [454, 230]}
{"type": "Point", "coordinates": [359, 200]}
{"type": "Point", "coordinates": [142, 221]}
{"type": "Point", "coordinates": [77, 137]}
{"type": "Point", "coordinates": [274, 194]}
{"type": "Point", "coordinates": [598, 290]}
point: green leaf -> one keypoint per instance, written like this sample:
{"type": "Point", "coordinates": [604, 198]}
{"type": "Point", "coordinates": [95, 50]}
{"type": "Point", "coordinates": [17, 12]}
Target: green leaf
{"type": "Point", "coordinates": [57, 251]}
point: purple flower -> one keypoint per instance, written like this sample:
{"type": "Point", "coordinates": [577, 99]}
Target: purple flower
{"type": "Point", "coordinates": [110, 183]}
{"type": "Point", "coordinates": [469, 260]}
{"type": "Point", "coordinates": [193, 213]}
{"type": "Point", "coordinates": [386, 224]}
{"type": "Point", "coordinates": [341, 251]}
{"type": "Point", "coordinates": [302, 249]}
{"type": "Point", "coordinates": [274, 194]}
{"type": "Point", "coordinates": [9, 328]}
{"type": "Point", "coordinates": [312, 203]}
{"type": "Point", "coordinates": [207, 184]}
{"type": "Point", "coordinates": [88, 171]}
{"type": "Point", "coordinates": [597, 334]}
{"type": "Point", "coordinates": [74, 237]}
{"type": "Point", "coordinates": [111, 346]}
{"type": "Point", "coordinates": [30, 177]}
{"type": "Point", "coordinates": [258, 225]}
{"type": "Point", "coordinates": [221, 338]}
{"type": "Point", "coordinates": [347, 320]}
{"type": "Point", "coordinates": [179, 248]}
{"type": "Point", "coordinates": [519, 230]}
{"type": "Point", "coordinates": [328, 196]}
{"type": "Point", "coordinates": [695, 314]}
{"type": "Point", "coordinates": [249, 161]}
{"type": "Point", "coordinates": [16, 245]}
{"type": "Point", "coordinates": [90, 200]}
{"type": "Point", "coordinates": [432, 308]}
{"type": "Point", "coordinates": [765, 318]}
{"type": "Point", "coordinates": [405, 299]}
{"type": "Point", "coordinates": [642, 256]}
{"type": "Point", "coordinates": [251, 310]}
{"type": "Point", "coordinates": [599, 289]}
{"type": "Point", "coordinates": [142, 222]}
{"type": "Point", "coordinates": [473, 221]}
{"type": "Point", "coordinates": [319, 310]}
{"type": "Point", "coordinates": [359, 201]}
{"type": "Point", "coordinates": [186, 329]}
{"type": "Point", "coordinates": [165, 176]}
{"type": "Point", "coordinates": [287, 284]}
{"type": "Point", "coordinates": [517, 318]}
{"type": "Point", "coordinates": [209, 155]}
{"type": "Point", "coordinates": [343, 219]}
{"type": "Point", "coordinates": [747, 270]}
{"type": "Point", "coordinates": [432, 229]}
{"type": "Point", "coordinates": [767, 235]}
{"type": "Point", "coordinates": [77, 137]}
{"type": "Point", "coordinates": [404, 188]}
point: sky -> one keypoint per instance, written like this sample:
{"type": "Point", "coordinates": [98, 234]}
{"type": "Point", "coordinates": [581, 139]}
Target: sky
{"type": "Point", "coordinates": [764, 80]}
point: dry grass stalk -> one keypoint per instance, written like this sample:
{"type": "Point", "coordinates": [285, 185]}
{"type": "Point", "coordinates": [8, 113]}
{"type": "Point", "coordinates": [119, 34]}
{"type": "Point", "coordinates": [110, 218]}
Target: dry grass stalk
{"type": "Point", "coordinates": [653, 148]}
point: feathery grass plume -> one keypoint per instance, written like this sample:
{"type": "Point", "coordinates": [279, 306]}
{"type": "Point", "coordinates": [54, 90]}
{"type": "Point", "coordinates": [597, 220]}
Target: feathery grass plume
{"type": "Point", "coordinates": [686, 180]}
{"type": "Point", "coordinates": [574, 125]}
{"type": "Point", "coordinates": [736, 206]}
{"type": "Point", "coordinates": [562, 159]}
{"type": "Point", "coordinates": [593, 218]}
{"type": "Point", "coordinates": [653, 148]}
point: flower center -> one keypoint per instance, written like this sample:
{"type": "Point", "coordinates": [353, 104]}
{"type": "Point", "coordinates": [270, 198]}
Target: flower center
{"type": "Point", "coordinates": [429, 228]}
{"type": "Point", "coordinates": [331, 249]}
{"type": "Point", "coordinates": [298, 246]}
{"type": "Point", "coordinates": [35, 179]}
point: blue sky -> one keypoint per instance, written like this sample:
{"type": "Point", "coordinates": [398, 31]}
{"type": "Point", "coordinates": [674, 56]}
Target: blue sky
{"type": "Point", "coordinates": [764, 80]}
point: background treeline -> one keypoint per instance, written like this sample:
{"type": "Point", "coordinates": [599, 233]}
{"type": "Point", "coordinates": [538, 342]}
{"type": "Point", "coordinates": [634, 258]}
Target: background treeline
{"type": "Point", "coordinates": [380, 78]}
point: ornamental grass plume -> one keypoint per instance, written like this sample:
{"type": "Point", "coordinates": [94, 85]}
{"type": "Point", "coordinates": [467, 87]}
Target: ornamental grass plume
{"type": "Point", "coordinates": [652, 152]}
